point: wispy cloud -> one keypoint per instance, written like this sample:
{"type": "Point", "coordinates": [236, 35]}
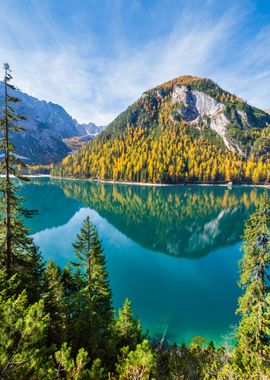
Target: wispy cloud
{"type": "Point", "coordinates": [95, 81]}
{"type": "Point", "coordinates": [248, 74]}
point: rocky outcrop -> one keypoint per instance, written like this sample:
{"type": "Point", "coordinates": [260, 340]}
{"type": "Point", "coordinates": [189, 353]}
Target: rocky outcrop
{"type": "Point", "coordinates": [195, 106]}
{"type": "Point", "coordinates": [46, 128]}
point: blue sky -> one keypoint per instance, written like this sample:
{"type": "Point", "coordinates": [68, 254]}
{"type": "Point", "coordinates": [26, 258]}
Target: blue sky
{"type": "Point", "coordinates": [95, 57]}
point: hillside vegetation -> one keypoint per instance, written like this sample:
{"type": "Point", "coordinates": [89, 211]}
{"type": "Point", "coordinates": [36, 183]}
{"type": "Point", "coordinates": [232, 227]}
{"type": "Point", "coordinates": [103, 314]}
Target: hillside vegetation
{"type": "Point", "coordinates": [188, 129]}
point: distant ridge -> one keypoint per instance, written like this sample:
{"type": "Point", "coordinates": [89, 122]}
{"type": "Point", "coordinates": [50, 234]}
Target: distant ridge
{"type": "Point", "coordinates": [46, 127]}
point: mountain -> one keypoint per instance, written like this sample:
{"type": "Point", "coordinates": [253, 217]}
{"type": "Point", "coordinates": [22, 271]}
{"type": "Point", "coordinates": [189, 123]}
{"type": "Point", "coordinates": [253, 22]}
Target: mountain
{"type": "Point", "coordinates": [46, 126]}
{"type": "Point", "coordinates": [187, 129]}
{"type": "Point", "coordinates": [90, 129]}
{"type": "Point", "coordinates": [268, 111]}
{"type": "Point", "coordinates": [89, 132]}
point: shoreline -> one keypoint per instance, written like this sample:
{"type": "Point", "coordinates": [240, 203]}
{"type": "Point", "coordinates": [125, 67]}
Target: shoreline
{"type": "Point", "coordinates": [29, 176]}
{"type": "Point", "coordinates": [130, 183]}
{"type": "Point", "coordinates": [158, 184]}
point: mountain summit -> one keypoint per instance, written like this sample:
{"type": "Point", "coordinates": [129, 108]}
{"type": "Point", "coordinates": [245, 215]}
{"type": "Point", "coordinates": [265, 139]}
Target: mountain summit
{"type": "Point", "coordinates": [202, 102]}
{"type": "Point", "coordinates": [199, 102]}
{"type": "Point", "coordinates": [185, 129]}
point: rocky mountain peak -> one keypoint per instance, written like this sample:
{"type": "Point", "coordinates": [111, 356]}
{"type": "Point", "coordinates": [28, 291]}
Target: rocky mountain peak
{"type": "Point", "coordinates": [48, 129]}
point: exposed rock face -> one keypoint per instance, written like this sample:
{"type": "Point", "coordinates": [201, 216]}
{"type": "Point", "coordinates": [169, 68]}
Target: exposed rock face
{"type": "Point", "coordinates": [196, 105]}
{"type": "Point", "coordinates": [243, 116]}
{"type": "Point", "coordinates": [187, 100]}
{"type": "Point", "coordinates": [46, 127]}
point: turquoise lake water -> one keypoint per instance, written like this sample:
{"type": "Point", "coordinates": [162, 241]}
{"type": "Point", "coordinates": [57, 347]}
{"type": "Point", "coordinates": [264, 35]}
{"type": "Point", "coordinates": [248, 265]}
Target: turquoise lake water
{"type": "Point", "coordinates": [173, 251]}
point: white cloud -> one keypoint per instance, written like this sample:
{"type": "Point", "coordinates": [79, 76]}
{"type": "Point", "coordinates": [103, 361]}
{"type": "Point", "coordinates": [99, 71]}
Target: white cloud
{"type": "Point", "coordinates": [93, 86]}
{"type": "Point", "coordinates": [249, 73]}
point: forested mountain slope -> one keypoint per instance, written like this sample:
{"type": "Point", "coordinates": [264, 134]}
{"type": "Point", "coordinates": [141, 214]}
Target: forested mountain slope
{"type": "Point", "coordinates": [187, 129]}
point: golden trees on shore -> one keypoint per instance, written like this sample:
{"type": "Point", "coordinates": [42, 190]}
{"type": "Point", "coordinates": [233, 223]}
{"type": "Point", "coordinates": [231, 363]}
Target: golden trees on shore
{"type": "Point", "coordinates": [166, 154]}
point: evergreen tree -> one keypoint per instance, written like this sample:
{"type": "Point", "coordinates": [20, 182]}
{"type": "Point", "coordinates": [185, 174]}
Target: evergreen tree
{"type": "Point", "coordinates": [33, 275]}
{"type": "Point", "coordinates": [70, 368]}
{"type": "Point", "coordinates": [95, 312]}
{"type": "Point", "coordinates": [81, 306]}
{"type": "Point", "coordinates": [101, 294]}
{"type": "Point", "coordinates": [139, 364]}
{"type": "Point", "coordinates": [82, 247]}
{"type": "Point", "coordinates": [253, 336]}
{"type": "Point", "coordinates": [14, 241]}
{"type": "Point", "coordinates": [71, 282]}
{"type": "Point", "coordinates": [22, 351]}
{"type": "Point", "coordinates": [127, 327]}
{"type": "Point", "coordinates": [54, 305]}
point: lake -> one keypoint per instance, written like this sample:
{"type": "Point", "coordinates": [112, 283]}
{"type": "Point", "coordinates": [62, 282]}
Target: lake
{"type": "Point", "coordinates": [172, 250]}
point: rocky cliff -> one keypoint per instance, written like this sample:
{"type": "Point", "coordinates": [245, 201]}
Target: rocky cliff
{"type": "Point", "coordinates": [46, 127]}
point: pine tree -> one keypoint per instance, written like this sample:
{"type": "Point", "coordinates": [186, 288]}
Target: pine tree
{"type": "Point", "coordinates": [71, 282]}
{"type": "Point", "coordinates": [23, 328]}
{"type": "Point", "coordinates": [128, 327]}
{"type": "Point", "coordinates": [69, 368]}
{"type": "Point", "coordinates": [33, 276]}
{"type": "Point", "coordinates": [83, 248]}
{"type": "Point", "coordinates": [14, 241]}
{"type": "Point", "coordinates": [253, 336]}
{"type": "Point", "coordinates": [101, 294]}
{"type": "Point", "coordinates": [137, 364]}
{"type": "Point", "coordinates": [54, 304]}
{"type": "Point", "coordinates": [81, 306]}
{"type": "Point", "coordinates": [94, 312]}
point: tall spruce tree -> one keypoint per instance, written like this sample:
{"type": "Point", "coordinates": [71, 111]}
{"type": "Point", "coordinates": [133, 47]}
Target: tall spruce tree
{"type": "Point", "coordinates": [101, 295]}
{"type": "Point", "coordinates": [95, 312]}
{"type": "Point", "coordinates": [14, 241]}
{"type": "Point", "coordinates": [252, 352]}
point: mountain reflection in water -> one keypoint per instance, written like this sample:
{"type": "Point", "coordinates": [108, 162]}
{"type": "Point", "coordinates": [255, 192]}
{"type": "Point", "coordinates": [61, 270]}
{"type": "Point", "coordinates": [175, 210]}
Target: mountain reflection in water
{"type": "Point", "coordinates": [151, 238]}
{"type": "Point", "coordinates": [180, 221]}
